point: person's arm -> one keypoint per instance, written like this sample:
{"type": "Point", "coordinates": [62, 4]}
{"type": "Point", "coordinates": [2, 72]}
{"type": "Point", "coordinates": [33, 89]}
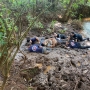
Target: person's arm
{"type": "Point", "coordinates": [37, 39]}
{"type": "Point", "coordinates": [66, 47]}
{"type": "Point", "coordinates": [75, 39]}
{"type": "Point", "coordinates": [53, 45]}
{"type": "Point", "coordinates": [40, 46]}
{"type": "Point", "coordinates": [53, 42]}
{"type": "Point", "coordinates": [68, 38]}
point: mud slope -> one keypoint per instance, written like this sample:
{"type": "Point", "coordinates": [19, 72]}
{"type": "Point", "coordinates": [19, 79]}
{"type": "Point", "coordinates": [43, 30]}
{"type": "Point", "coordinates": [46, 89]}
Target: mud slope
{"type": "Point", "coordinates": [62, 69]}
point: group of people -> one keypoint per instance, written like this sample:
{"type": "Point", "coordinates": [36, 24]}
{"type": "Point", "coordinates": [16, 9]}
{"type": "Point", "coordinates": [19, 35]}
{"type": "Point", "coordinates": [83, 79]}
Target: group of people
{"type": "Point", "coordinates": [43, 45]}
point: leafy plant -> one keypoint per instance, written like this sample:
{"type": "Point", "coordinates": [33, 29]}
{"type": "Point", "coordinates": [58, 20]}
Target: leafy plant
{"type": "Point", "coordinates": [49, 30]}
{"type": "Point", "coordinates": [52, 23]}
{"type": "Point", "coordinates": [30, 88]}
{"type": "Point", "coordinates": [62, 31]}
{"type": "Point", "coordinates": [80, 17]}
{"type": "Point", "coordinates": [76, 24]}
{"type": "Point", "coordinates": [37, 23]}
{"type": "Point", "coordinates": [88, 3]}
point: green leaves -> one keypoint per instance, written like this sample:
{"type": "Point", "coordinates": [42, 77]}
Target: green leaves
{"type": "Point", "coordinates": [37, 24]}
{"type": "Point", "coordinates": [2, 42]}
{"type": "Point", "coordinates": [10, 23]}
{"type": "Point", "coordinates": [49, 30]}
{"type": "Point", "coordinates": [52, 23]}
{"type": "Point", "coordinates": [1, 34]}
{"type": "Point", "coordinates": [88, 3]}
{"type": "Point", "coordinates": [62, 31]}
{"type": "Point", "coordinates": [75, 5]}
{"type": "Point", "coordinates": [2, 39]}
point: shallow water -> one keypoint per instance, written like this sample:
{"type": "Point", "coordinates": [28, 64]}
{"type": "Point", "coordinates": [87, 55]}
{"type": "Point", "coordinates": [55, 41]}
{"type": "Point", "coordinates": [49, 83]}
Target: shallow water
{"type": "Point", "coordinates": [86, 26]}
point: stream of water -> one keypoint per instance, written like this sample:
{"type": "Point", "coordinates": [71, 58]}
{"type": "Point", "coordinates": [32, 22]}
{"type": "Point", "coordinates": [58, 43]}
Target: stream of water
{"type": "Point", "coordinates": [86, 26]}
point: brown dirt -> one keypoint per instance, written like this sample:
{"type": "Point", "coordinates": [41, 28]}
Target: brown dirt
{"type": "Point", "coordinates": [61, 69]}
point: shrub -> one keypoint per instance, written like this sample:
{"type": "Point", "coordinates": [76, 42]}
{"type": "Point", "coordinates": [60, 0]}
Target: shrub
{"type": "Point", "coordinates": [76, 24]}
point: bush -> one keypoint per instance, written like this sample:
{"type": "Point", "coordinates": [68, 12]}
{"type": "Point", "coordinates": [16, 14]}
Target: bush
{"type": "Point", "coordinates": [76, 24]}
{"type": "Point", "coordinates": [37, 23]}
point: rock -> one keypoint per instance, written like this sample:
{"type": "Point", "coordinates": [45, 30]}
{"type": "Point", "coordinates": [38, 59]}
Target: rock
{"type": "Point", "coordinates": [40, 88]}
{"type": "Point", "coordinates": [21, 62]}
{"type": "Point", "coordinates": [22, 47]}
{"type": "Point", "coordinates": [78, 64]}
{"type": "Point", "coordinates": [57, 75]}
{"type": "Point", "coordinates": [42, 79]}
{"type": "Point", "coordinates": [65, 85]}
{"type": "Point", "coordinates": [52, 79]}
{"type": "Point", "coordinates": [62, 82]}
{"type": "Point", "coordinates": [57, 25]}
{"type": "Point", "coordinates": [47, 88]}
{"type": "Point", "coordinates": [30, 73]}
{"type": "Point", "coordinates": [66, 70]}
{"type": "Point", "coordinates": [53, 86]}
{"type": "Point", "coordinates": [85, 63]}
{"type": "Point", "coordinates": [89, 76]}
{"type": "Point", "coordinates": [61, 61]}
{"type": "Point", "coordinates": [19, 57]}
{"type": "Point", "coordinates": [85, 71]}
{"type": "Point", "coordinates": [55, 59]}
{"type": "Point", "coordinates": [1, 82]}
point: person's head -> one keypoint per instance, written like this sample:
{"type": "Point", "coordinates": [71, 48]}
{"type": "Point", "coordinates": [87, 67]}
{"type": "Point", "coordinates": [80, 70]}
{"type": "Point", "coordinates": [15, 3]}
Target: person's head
{"type": "Point", "coordinates": [55, 34]}
{"type": "Point", "coordinates": [30, 42]}
{"type": "Point", "coordinates": [72, 34]}
{"type": "Point", "coordinates": [46, 37]}
{"type": "Point", "coordinates": [51, 37]}
{"type": "Point", "coordinates": [28, 39]}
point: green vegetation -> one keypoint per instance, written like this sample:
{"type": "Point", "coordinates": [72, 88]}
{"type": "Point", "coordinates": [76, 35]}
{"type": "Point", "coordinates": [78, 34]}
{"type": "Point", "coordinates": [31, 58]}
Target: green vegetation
{"type": "Point", "coordinates": [62, 31]}
{"type": "Point", "coordinates": [14, 14]}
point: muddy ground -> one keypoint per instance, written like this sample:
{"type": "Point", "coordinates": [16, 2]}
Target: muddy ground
{"type": "Point", "coordinates": [61, 69]}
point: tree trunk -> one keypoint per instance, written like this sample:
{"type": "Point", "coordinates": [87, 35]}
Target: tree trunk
{"type": "Point", "coordinates": [67, 12]}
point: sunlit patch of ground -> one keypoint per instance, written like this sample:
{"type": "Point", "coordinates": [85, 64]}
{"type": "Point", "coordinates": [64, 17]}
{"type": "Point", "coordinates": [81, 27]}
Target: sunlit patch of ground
{"type": "Point", "coordinates": [86, 19]}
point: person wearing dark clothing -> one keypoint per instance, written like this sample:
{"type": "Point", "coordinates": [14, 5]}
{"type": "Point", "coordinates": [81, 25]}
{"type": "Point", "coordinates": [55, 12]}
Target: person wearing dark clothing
{"type": "Point", "coordinates": [72, 44]}
{"type": "Point", "coordinates": [32, 40]}
{"type": "Point", "coordinates": [61, 36]}
{"type": "Point", "coordinates": [35, 48]}
{"type": "Point", "coordinates": [38, 49]}
{"type": "Point", "coordinates": [42, 42]}
{"type": "Point", "coordinates": [77, 37]}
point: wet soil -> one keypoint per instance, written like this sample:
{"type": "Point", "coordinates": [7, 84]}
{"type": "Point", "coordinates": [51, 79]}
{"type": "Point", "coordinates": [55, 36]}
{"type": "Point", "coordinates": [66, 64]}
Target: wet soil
{"type": "Point", "coordinates": [61, 69]}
